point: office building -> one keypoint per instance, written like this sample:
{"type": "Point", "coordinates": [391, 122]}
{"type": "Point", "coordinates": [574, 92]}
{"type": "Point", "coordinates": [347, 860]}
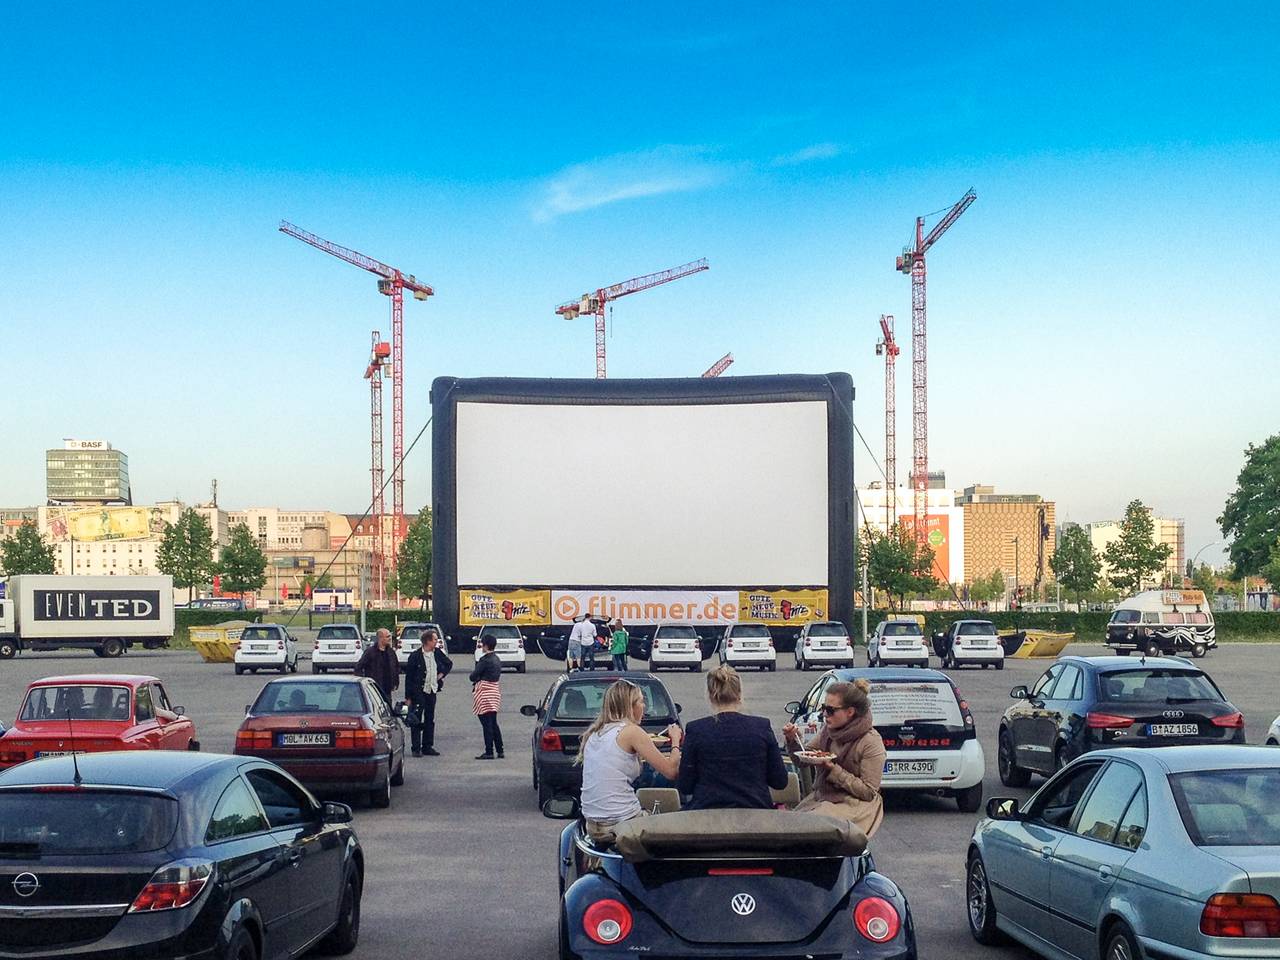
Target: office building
{"type": "Point", "coordinates": [87, 471]}
{"type": "Point", "coordinates": [1167, 530]}
{"type": "Point", "coordinates": [1009, 532]}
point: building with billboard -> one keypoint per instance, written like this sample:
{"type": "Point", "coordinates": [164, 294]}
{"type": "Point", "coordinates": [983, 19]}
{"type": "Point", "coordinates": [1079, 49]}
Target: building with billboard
{"type": "Point", "coordinates": [12, 518]}
{"type": "Point", "coordinates": [944, 519]}
{"type": "Point", "coordinates": [1167, 530]}
{"type": "Point", "coordinates": [1009, 532]}
{"type": "Point", "coordinates": [87, 471]}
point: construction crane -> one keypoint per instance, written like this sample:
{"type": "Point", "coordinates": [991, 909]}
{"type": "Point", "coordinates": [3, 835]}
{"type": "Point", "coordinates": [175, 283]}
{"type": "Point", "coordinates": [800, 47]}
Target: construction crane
{"type": "Point", "coordinates": [379, 358]}
{"type": "Point", "coordinates": [391, 283]}
{"type": "Point", "coordinates": [593, 304]}
{"type": "Point", "coordinates": [720, 366]}
{"type": "Point", "coordinates": [888, 347]}
{"type": "Point", "coordinates": [912, 262]}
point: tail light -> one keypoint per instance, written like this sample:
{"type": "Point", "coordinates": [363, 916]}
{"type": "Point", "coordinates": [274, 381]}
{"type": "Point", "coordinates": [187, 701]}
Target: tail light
{"type": "Point", "coordinates": [253, 739]}
{"type": "Point", "coordinates": [520, 643]}
{"type": "Point", "coordinates": [173, 887]}
{"type": "Point", "coordinates": [279, 644]}
{"type": "Point", "coordinates": [1240, 915]}
{"type": "Point", "coordinates": [740, 872]}
{"type": "Point", "coordinates": [607, 921]}
{"type": "Point", "coordinates": [1234, 720]}
{"type": "Point", "coordinates": [808, 642]}
{"type": "Point", "coordinates": [550, 742]}
{"type": "Point", "coordinates": [771, 643]}
{"type": "Point", "coordinates": [357, 741]}
{"type": "Point", "coordinates": [964, 712]}
{"type": "Point", "coordinates": [1107, 721]}
{"type": "Point", "coordinates": [13, 756]}
{"type": "Point", "coordinates": [877, 920]}
{"type": "Point", "coordinates": [729, 643]}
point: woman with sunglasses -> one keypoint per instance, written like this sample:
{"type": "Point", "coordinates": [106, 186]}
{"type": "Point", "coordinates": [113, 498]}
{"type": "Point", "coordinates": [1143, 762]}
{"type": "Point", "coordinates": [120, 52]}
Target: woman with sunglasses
{"type": "Point", "coordinates": [611, 753]}
{"type": "Point", "coordinates": [847, 787]}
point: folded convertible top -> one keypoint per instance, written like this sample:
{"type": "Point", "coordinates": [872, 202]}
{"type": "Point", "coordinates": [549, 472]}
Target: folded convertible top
{"type": "Point", "coordinates": [734, 834]}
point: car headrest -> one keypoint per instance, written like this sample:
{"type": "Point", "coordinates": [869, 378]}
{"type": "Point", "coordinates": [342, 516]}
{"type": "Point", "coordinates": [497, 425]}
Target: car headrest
{"type": "Point", "coordinates": [734, 834]}
{"type": "Point", "coordinates": [575, 704]}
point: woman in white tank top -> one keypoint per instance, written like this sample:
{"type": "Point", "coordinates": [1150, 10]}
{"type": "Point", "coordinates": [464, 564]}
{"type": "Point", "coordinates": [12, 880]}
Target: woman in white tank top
{"type": "Point", "coordinates": [611, 753]}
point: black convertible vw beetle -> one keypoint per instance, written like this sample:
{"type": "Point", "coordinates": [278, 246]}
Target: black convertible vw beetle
{"type": "Point", "coordinates": [727, 883]}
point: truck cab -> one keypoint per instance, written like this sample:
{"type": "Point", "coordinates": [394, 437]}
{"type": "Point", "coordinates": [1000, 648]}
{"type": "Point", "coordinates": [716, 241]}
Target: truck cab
{"type": "Point", "coordinates": [8, 634]}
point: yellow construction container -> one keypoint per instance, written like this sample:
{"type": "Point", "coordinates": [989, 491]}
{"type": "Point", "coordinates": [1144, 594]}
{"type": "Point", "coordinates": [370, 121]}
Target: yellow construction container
{"type": "Point", "coordinates": [1042, 644]}
{"type": "Point", "coordinates": [217, 643]}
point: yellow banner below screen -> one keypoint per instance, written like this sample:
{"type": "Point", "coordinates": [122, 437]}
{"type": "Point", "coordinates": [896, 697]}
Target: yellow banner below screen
{"type": "Point", "coordinates": [521, 607]}
{"type": "Point", "coordinates": [781, 608]}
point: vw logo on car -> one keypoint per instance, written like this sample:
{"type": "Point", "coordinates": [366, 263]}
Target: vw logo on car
{"type": "Point", "coordinates": [743, 904]}
{"type": "Point", "coordinates": [26, 884]}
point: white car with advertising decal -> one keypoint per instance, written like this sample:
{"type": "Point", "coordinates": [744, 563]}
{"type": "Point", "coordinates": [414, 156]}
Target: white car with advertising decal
{"type": "Point", "coordinates": [339, 646]}
{"type": "Point", "coordinates": [508, 644]}
{"type": "Point", "coordinates": [748, 645]}
{"type": "Point", "coordinates": [266, 646]}
{"type": "Point", "coordinates": [675, 645]}
{"type": "Point", "coordinates": [898, 642]}
{"type": "Point", "coordinates": [969, 643]}
{"type": "Point", "coordinates": [824, 644]}
{"type": "Point", "coordinates": [930, 741]}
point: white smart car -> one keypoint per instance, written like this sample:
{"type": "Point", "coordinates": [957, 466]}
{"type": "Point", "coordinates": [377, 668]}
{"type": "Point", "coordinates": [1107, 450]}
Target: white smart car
{"type": "Point", "coordinates": [1273, 735]}
{"type": "Point", "coordinates": [266, 646]}
{"type": "Point", "coordinates": [675, 645]}
{"type": "Point", "coordinates": [509, 644]}
{"type": "Point", "coordinates": [748, 645]}
{"type": "Point", "coordinates": [410, 639]}
{"type": "Point", "coordinates": [970, 643]}
{"type": "Point", "coordinates": [824, 644]}
{"type": "Point", "coordinates": [339, 646]}
{"type": "Point", "coordinates": [898, 642]}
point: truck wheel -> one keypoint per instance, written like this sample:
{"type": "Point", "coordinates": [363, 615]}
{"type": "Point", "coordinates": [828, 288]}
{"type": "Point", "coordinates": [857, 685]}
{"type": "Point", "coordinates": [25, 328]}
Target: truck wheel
{"type": "Point", "coordinates": [112, 648]}
{"type": "Point", "coordinates": [97, 652]}
{"type": "Point", "coordinates": [1152, 649]}
{"type": "Point", "coordinates": [8, 649]}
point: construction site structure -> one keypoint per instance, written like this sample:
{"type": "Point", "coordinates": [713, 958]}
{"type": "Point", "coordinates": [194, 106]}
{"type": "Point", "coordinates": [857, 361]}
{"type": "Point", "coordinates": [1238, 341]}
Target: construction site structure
{"type": "Point", "coordinates": [392, 283]}
{"type": "Point", "coordinates": [911, 261]}
{"type": "Point", "coordinates": [593, 304]}
{"type": "Point", "coordinates": [888, 348]}
{"type": "Point", "coordinates": [719, 367]}
{"type": "Point", "coordinates": [379, 358]}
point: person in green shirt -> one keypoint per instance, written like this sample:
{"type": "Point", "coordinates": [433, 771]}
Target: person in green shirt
{"type": "Point", "coordinates": [618, 645]}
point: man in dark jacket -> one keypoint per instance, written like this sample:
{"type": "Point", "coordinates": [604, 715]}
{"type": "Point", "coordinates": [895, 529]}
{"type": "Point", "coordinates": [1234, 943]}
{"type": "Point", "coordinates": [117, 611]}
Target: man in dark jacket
{"type": "Point", "coordinates": [380, 665]}
{"type": "Point", "coordinates": [423, 679]}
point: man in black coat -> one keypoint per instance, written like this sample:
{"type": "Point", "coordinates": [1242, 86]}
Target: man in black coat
{"type": "Point", "coordinates": [380, 665]}
{"type": "Point", "coordinates": [423, 678]}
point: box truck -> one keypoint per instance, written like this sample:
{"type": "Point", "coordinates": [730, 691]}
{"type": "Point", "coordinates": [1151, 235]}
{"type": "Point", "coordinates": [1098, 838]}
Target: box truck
{"type": "Point", "coordinates": [104, 614]}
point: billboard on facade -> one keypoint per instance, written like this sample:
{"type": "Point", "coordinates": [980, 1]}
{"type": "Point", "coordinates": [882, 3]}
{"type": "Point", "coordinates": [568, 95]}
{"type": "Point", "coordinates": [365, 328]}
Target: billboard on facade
{"type": "Point", "coordinates": [88, 525]}
{"type": "Point", "coordinates": [938, 536]}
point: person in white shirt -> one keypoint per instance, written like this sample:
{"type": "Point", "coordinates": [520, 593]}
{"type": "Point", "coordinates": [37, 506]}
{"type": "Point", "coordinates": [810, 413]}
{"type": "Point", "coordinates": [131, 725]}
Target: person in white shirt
{"type": "Point", "coordinates": [583, 633]}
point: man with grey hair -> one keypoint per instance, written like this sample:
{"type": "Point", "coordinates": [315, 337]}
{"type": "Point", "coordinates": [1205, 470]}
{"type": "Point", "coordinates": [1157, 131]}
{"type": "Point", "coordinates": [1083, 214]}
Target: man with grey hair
{"type": "Point", "coordinates": [380, 665]}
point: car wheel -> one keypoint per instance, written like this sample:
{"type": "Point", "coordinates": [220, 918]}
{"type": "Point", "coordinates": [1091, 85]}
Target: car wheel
{"type": "Point", "coordinates": [342, 939]}
{"type": "Point", "coordinates": [316, 668]}
{"type": "Point", "coordinates": [397, 778]}
{"type": "Point", "coordinates": [239, 669]}
{"type": "Point", "coordinates": [1011, 775]}
{"type": "Point", "coordinates": [112, 648]}
{"type": "Point", "coordinates": [545, 793]}
{"type": "Point", "coordinates": [1272, 742]}
{"type": "Point", "coordinates": [1152, 649]}
{"type": "Point", "coordinates": [1198, 650]}
{"type": "Point", "coordinates": [9, 650]}
{"type": "Point", "coordinates": [970, 798]}
{"type": "Point", "coordinates": [696, 668]}
{"type": "Point", "coordinates": [562, 940]}
{"type": "Point", "coordinates": [520, 667]}
{"type": "Point", "coordinates": [981, 911]}
{"type": "Point", "coordinates": [999, 664]}
{"type": "Point", "coordinates": [772, 667]}
{"type": "Point", "coordinates": [1120, 945]}
{"type": "Point", "coordinates": [380, 796]}
{"type": "Point", "coordinates": [1061, 757]}
{"type": "Point", "coordinates": [797, 663]}
{"type": "Point", "coordinates": [242, 946]}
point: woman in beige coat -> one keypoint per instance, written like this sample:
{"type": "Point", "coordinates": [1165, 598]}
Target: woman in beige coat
{"type": "Point", "coordinates": [848, 787]}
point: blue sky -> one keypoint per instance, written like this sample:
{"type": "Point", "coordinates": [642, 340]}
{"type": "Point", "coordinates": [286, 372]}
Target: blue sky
{"type": "Point", "coordinates": [1102, 320]}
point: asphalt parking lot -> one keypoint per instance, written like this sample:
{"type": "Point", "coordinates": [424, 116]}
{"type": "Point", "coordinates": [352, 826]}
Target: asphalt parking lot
{"type": "Point", "coordinates": [463, 864]}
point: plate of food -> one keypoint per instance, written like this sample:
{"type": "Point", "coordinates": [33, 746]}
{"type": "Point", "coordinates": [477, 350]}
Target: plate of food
{"type": "Point", "coordinates": [813, 758]}
{"type": "Point", "coordinates": [659, 740]}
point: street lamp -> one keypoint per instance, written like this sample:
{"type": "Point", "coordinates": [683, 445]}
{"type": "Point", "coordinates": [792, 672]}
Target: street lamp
{"type": "Point", "coordinates": [1216, 543]}
{"type": "Point", "coordinates": [1015, 567]}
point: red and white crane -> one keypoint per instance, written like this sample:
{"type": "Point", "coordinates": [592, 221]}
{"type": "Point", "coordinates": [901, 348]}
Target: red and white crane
{"type": "Point", "coordinates": [379, 357]}
{"type": "Point", "coordinates": [391, 283]}
{"type": "Point", "coordinates": [720, 366]}
{"type": "Point", "coordinates": [593, 304]}
{"type": "Point", "coordinates": [912, 262]}
{"type": "Point", "coordinates": [888, 347]}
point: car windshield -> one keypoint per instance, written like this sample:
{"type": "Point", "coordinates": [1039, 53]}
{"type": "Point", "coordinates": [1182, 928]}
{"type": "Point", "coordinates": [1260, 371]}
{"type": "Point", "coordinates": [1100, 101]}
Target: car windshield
{"type": "Point", "coordinates": [1159, 684]}
{"type": "Point", "coordinates": [678, 633]}
{"type": "Point", "coordinates": [338, 633]}
{"type": "Point", "coordinates": [749, 631]}
{"type": "Point", "coordinates": [258, 633]}
{"type": "Point", "coordinates": [40, 822]}
{"type": "Point", "coordinates": [581, 700]}
{"type": "Point", "coordinates": [1229, 808]}
{"type": "Point", "coordinates": [895, 704]}
{"type": "Point", "coordinates": [827, 630]}
{"type": "Point", "coordinates": [502, 633]}
{"type": "Point", "coordinates": [910, 629]}
{"type": "Point", "coordinates": [1126, 616]}
{"type": "Point", "coordinates": [977, 630]}
{"type": "Point", "coordinates": [305, 696]}
{"type": "Point", "coordinates": [77, 702]}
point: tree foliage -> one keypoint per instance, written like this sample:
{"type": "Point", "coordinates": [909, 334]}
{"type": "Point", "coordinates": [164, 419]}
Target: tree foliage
{"type": "Point", "coordinates": [1271, 572]}
{"type": "Point", "coordinates": [1134, 556]}
{"type": "Point", "coordinates": [186, 551]}
{"type": "Point", "coordinates": [26, 552]}
{"type": "Point", "coordinates": [1202, 579]}
{"type": "Point", "coordinates": [413, 562]}
{"type": "Point", "coordinates": [242, 564]}
{"type": "Point", "coordinates": [988, 588]}
{"type": "Point", "coordinates": [1075, 563]}
{"type": "Point", "coordinates": [897, 564]}
{"type": "Point", "coordinates": [1251, 517]}
{"type": "Point", "coordinates": [321, 582]}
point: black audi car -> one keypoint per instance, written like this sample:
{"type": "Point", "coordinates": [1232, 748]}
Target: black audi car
{"type": "Point", "coordinates": [161, 854]}
{"type": "Point", "coordinates": [1088, 703]}
{"type": "Point", "coordinates": [568, 708]}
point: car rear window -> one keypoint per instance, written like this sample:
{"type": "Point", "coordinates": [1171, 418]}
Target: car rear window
{"type": "Point", "coordinates": [894, 704]}
{"type": "Point", "coordinates": [677, 633]}
{"type": "Point", "coordinates": [827, 630]}
{"type": "Point", "coordinates": [77, 702]}
{"type": "Point", "coordinates": [258, 633]}
{"type": "Point", "coordinates": [502, 633]}
{"type": "Point", "coordinates": [582, 700]}
{"type": "Point", "coordinates": [1158, 684]}
{"type": "Point", "coordinates": [977, 629]}
{"type": "Point", "coordinates": [301, 696]}
{"type": "Point", "coordinates": [411, 633]}
{"type": "Point", "coordinates": [901, 630]}
{"type": "Point", "coordinates": [43, 822]}
{"type": "Point", "coordinates": [749, 631]}
{"type": "Point", "coordinates": [338, 633]}
{"type": "Point", "coordinates": [1229, 808]}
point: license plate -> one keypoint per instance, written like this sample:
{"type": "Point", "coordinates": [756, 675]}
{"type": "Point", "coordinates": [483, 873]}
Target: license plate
{"type": "Point", "coordinates": [1172, 729]}
{"type": "Point", "coordinates": [833, 644]}
{"type": "Point", "coordinates": [306, 739]}
{"type": "Point", "coordinates": [907, 643]}
{"type": "Point", "coordinates": [59, 753]}
{"type": "Point", "coordinates": [910, 767]}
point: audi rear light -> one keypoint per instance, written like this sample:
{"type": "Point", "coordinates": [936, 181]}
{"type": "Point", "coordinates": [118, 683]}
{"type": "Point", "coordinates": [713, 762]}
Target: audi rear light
{"type": "Point", "coordinates": [1107, 721]}
{"type": "Point", "coordinates": [173, 887]}
{"type": "Point", "coordinates": [877, 920]}
{"type": "Point", "coordinates": [1234, 720]}
{"type": "Point", "coordinates": [356, 741]}
{"type": "Point", "coordinates": [550, 742]}
{"type": "Point", "coordinates": [607, 922]}
{"type": "Point", "coordinates": [1253, 915]}
{"type": "Point", "coordinates": [253, 739]}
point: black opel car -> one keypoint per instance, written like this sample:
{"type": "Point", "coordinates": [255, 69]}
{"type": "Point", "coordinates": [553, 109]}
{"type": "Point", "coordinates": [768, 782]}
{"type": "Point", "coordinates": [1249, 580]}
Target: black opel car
{"type": "Point", "coordinates": [569, 707]}
{"type": "Point", "coordinates": [1088, 703]}
{"type": "Point", "coordinates": [161, 854]}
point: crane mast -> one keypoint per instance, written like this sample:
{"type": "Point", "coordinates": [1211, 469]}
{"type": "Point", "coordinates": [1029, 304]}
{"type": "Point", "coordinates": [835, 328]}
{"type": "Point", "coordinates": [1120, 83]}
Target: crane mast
{"type": "Point", "coordinates": [719, 367]}
{"type": "Point", "coordinates": [378, 357]}
{"type": "Point", "coordinates": [888, 347]}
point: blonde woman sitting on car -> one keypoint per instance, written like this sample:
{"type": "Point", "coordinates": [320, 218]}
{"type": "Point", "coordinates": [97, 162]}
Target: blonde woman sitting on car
{"type": "Point", "coordinates": [612, 750]}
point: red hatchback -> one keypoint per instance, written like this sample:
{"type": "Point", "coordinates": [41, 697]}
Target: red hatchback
{"type": "Point", "coordinates": [335, 734]}
{"type": "Point", "coordinates": [91, 714]}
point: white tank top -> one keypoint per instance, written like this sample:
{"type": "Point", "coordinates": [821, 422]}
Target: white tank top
{"type": "Point", "coordinates": [607, 774]}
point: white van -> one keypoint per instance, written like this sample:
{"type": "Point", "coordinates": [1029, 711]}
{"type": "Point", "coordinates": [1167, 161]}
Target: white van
{"type": "Point", "coordinates": [1163, 622]}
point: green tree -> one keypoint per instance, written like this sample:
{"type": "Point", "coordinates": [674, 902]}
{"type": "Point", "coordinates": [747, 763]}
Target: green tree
{"type": "Point", "coordinates": [1272, 570]}
{"type": "Point", "coordinates": [242, 564]}
{"type": "Point", "coordinates": [1251, 517]}
{"type": "Point", "coordinates": [186, 551]}
{"type": "Point", "coordinates": [1134, 556]}
{"type": "Point", "coordinates": [981, 591]}
{"type": "Point", "coordinates": [413, 562]}
{"type": "Point", "coordinates": [1075, 563]}
{"type": "Point", "coordinates": [897, 564]}
{"type": "Point", "coordinates": [321, 582]}
{"type": "Point", "coordinates": [26, 552]}
{"type": "Point", "coordinates": [1202, 579]}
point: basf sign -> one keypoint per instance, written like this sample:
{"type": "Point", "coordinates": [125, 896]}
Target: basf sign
{"type": "Point", "coordinates": [86, 444]}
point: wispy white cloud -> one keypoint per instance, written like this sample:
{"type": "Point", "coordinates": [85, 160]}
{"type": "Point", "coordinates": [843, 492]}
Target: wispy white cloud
{"type": "Point", "coordinates": [817, 151]}
{"type": "Point", "coordinates": [627, 176]}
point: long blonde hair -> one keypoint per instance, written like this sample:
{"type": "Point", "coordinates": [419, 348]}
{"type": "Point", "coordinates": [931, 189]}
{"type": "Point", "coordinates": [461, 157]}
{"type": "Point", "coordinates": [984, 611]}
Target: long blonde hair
{"type": "Point", "coordinates": [617, 705]}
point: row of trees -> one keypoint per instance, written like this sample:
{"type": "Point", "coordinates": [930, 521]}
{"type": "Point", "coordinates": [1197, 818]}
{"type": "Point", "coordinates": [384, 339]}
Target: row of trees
{"type": "Point", "coordinates": [1132, 558]}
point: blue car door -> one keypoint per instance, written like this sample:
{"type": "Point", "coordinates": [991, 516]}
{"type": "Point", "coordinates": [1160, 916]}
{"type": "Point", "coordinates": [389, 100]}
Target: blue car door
{"type": "Point", "coordinates": [1090, 858]}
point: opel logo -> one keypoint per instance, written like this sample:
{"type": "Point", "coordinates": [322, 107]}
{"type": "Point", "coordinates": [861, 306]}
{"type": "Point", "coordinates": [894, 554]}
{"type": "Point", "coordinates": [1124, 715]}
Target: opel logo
{"type": "Point", "coordinates": [1174, 714]}
{"type": "Point", "coordinates": [744, 904]}
{"type": "Point", "coordinates": [26, 885]}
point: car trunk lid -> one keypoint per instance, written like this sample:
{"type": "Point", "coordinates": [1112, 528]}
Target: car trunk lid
{"type": "Point", "coordinates": [1261, 863]}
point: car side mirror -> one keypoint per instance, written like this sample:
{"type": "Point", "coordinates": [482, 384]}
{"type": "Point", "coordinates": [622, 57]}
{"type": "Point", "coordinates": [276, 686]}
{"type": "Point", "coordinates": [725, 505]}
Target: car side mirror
{"type": "Point", "coordinates": [1020, 692]}
{"type": "Point", "coordinates": [529, 710]}
{"type": "Point", "coordinates": [679, 709]}
{"type": "Point", "coordinates": [334, 812]}
{"type": "Point", "coordinates": [180, 711]}
{"type": "Point", "coordinates": [792, 708]}
{"type": "Point", "coordinates": [248, 708]}
{"type": "Point", "coordinates": [560, 808]}
{"type": "Point", "coordinates": [1003, 808]}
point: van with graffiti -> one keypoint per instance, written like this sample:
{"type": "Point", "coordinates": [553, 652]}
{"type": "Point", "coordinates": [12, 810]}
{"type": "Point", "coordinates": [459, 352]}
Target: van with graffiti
{"type": "Point", "coordinates": [1163, 622]}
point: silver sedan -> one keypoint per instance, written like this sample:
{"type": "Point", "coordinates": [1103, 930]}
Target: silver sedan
{"type": "Point", "coordinates": [1169, 853]}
